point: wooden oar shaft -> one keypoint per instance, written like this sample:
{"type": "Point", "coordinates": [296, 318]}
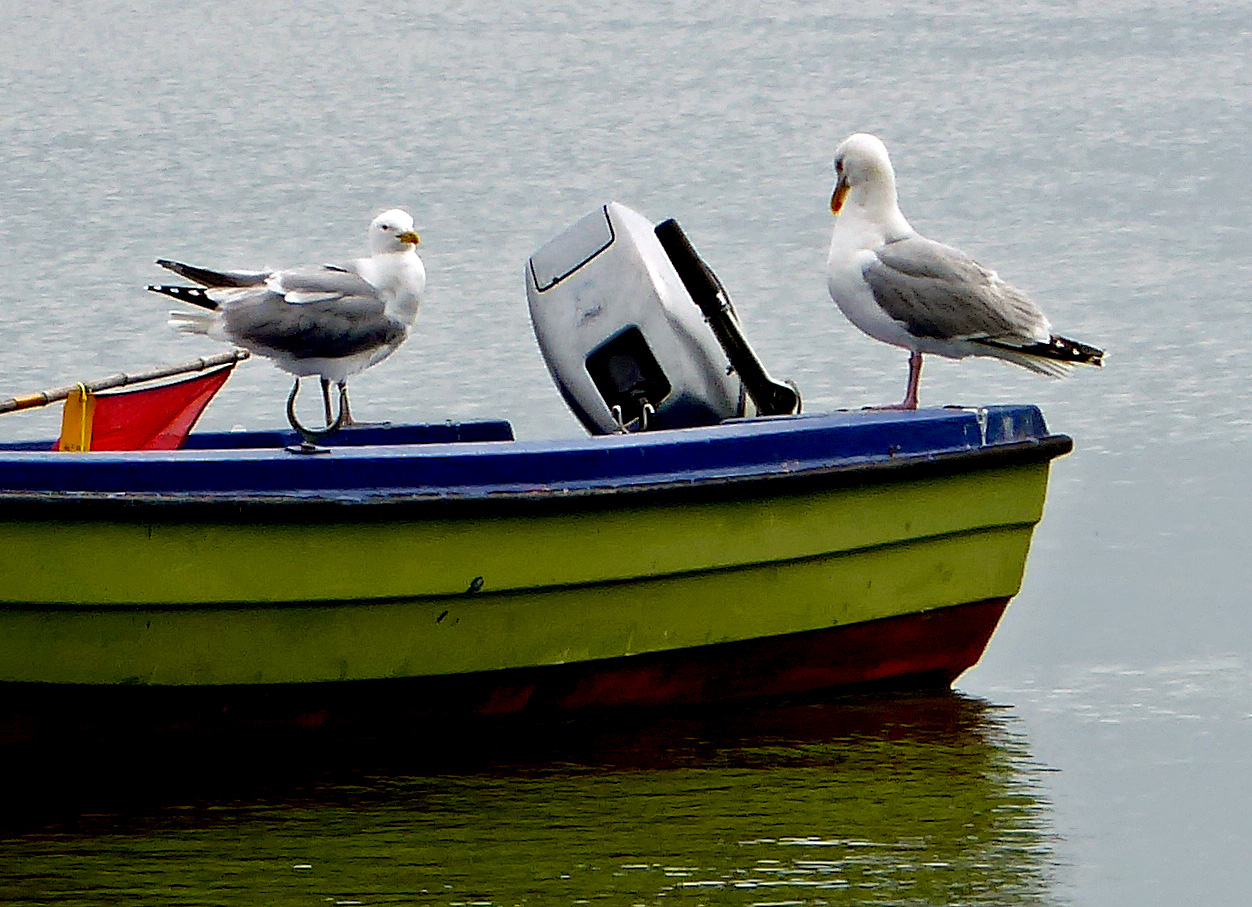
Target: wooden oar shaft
{"type": "Point", "coordinates": [43, 398]}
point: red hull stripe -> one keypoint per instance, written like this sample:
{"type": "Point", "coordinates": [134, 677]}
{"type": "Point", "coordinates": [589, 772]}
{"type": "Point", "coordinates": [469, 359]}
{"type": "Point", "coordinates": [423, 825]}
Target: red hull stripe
{"type": "Point", "coordinates": [917, 651]}
{"type": "Point", "coordinates": [922, 650]}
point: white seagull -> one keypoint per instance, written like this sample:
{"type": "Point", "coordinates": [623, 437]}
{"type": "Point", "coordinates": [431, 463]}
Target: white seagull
{"type": "Point", "coordinates": [909, 291]}
{"type": "Point", "coordinates": [330, 320]}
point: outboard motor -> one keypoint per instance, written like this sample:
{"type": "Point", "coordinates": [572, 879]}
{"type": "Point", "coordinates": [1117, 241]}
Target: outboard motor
{"type": "Point", "coordinates": [638, 333]}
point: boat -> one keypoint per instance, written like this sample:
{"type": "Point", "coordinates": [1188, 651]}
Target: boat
{"type": "Point", "coordinates": [734, 548]}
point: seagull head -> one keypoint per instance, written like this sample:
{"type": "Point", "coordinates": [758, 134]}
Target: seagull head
{"type": "Point", "coordinates": [863, 170]}
{"type": "Point", "coordinates": [392, 231]}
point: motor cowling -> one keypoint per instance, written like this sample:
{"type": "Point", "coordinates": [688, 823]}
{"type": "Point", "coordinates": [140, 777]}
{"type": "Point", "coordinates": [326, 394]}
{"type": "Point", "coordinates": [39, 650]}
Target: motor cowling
{"type": "Point", "coordinates": [622, 337]}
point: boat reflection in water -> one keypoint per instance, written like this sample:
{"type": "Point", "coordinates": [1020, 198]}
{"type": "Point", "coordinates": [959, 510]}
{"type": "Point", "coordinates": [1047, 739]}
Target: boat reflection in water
{"type": "Point", "coordinates": [921, 798]}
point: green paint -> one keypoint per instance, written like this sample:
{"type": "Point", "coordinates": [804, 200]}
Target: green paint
{"type": "Point", "coordinates": [361, 601]}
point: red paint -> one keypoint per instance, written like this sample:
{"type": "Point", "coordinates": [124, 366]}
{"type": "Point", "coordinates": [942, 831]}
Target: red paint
{"type": "Point", "coordinates": [917, 651]}
{"type": "Point", "coordinates": [920, 650]}
{"type": "Point", "coordinates": [925, 650]}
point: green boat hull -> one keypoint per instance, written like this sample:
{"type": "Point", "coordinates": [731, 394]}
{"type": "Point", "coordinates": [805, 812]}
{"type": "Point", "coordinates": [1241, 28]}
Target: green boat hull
{"type": "Point", "coordinates": [532, 586]}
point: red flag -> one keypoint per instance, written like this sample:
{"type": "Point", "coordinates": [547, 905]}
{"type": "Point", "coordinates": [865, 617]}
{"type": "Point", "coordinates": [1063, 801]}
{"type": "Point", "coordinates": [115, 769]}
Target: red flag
{"type": "Point", "coordinates": [150, 418]}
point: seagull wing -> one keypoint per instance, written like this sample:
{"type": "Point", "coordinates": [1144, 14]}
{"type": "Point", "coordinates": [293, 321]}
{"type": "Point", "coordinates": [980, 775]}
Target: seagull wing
{"type": "Point", "coordinates": [343, 287]}
{"type": "Point", "coordinates": [207, 277]}
{"type": "Point", "coordinates": [308, 313]}
{"type": "Point", "coordinates": [941, 293]}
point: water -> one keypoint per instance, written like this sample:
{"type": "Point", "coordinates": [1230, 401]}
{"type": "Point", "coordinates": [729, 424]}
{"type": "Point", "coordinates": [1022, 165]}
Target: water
{"type": "Point", "coordinates": [864, 801]}
{"type": "Point", "coordinates": [1094, 153]}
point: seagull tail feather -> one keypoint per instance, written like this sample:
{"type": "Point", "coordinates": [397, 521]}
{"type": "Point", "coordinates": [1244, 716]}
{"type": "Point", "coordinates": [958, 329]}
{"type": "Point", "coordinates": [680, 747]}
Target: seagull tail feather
{"type": "Point", "coordinates": [191, 322]}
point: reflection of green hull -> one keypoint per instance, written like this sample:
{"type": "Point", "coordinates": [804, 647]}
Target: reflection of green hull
{"type": "Point", "coordinates": [179, 599]}
{"type": "Point", "coordinates": [883, 800]}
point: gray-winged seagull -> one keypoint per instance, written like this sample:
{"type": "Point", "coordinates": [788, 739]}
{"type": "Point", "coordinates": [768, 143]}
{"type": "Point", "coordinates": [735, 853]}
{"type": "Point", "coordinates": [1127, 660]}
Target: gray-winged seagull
{"type": "Point", "coordinates": [909, 291]}
{"type": "Point", "coordinates": [331, 320]}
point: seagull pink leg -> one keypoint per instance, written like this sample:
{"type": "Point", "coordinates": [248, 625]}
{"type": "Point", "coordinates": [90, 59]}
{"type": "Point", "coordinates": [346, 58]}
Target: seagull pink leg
{"type": "Point", "coordinates": [910, 395]}
{"type": "Point", "coordinates": [343, 401]}
{"type": "Point", "coordinates": [915, 379]}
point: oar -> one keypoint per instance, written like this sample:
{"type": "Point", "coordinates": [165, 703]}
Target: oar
{"type": "Point", "coordinates": [43, 398]}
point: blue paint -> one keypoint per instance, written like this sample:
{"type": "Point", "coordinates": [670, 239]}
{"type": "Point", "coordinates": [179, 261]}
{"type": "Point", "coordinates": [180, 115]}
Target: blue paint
{"type": "Point", "coordinates": [480, 459]}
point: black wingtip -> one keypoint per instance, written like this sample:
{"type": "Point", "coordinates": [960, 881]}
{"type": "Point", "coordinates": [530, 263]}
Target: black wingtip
{"type": "Point", "coordinates": [194, 295]}
{"type": "Point", "coordinates": [1059, 349]}
{"type": "Point", "coordinates": [209, 278]}
{"type": "Point", "coordinates": [1076, 352]}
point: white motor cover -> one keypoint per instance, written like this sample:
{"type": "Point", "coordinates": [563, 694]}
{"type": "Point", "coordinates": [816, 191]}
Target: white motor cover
{"type": "Point", "coordinates": [606, 287]}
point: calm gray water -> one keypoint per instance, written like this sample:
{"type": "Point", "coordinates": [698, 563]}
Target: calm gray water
{"type": "Point", "coordinates": [1095, 153]}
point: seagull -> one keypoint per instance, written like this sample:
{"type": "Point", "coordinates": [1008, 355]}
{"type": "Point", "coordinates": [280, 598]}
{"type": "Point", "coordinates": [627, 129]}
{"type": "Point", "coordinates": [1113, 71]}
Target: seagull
{"type": "Point", "coordinates": [904, 289]}
{"type": "Point", "coordinates": [332, 321]}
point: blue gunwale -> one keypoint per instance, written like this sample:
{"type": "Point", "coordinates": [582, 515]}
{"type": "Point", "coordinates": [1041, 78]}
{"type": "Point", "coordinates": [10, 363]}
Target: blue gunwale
{"type": "Point", "coordinates": [478, 461]}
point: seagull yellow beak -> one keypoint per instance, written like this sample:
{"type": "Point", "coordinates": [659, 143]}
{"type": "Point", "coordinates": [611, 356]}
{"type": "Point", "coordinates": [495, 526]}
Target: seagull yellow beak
{"type": "Point", "coordinates": [836, 200]}
{"type": "Point", "coordinates": [411, 238]}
